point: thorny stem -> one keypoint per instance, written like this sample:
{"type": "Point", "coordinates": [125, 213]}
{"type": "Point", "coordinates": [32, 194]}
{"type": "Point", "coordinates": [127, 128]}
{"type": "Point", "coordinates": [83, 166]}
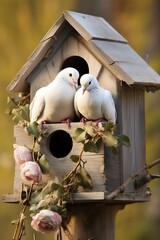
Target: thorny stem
{"type": "Point", "coordinates": [20, 224]}
{"type": "Point", "coordinates": [76, 166]}
{"type": "Point", "coordinates": [121, 188]}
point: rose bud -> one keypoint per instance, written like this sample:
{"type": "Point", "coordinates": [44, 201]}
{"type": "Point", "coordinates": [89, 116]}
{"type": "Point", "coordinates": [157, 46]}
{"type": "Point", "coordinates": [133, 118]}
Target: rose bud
{"type": "Point", "coordinates": [31, 173]}
{"type": "Point", "coordinates": [22, 154]}
{"type": "Point", "coordinates": [46, 221]}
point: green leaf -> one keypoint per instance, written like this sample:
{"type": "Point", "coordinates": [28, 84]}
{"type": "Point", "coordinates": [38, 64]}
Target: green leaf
{"type": "Point", "coordinates": [10, 105]}
{"type": "Point", "coordinates": [96, 139]}
{"type": "Point", "coordinates": [109, 126]}
{"type": "Point", "coordinates": [16, 116]}
{"type": "Point", "coordinates": [60, 191]}
{"type": "Point", "coordinates": [82, 137]}
{"type": "Point", "coordinates": [86, 178]}
{"type": "Point", "coordinates": [90, 130]}
{"type": "Point", "coordinates": [24, 112]}
{"type": "Point", "coordinates": [41, 193]}
{"type": "Point", "coordinates": [124, 140]}
{"type": "Point", "coordinates": [109, 139]}
{"type": "Point", "coordinates": [33, 129]}
{"type": "Point", "coordinates": [44, 165]}
{"type": "Point", "coordinates": [36, 196]}
{"type": "Point", "coordinates": [79, 178]}
{"type": "Point", "coordinates": [77, 132]}
{"type": "Point", "coordinates": [74, 158]}
{"type": "Point", "coordinates": [90, 146]}
{"type": "Point", "coordinates": [51, 186]}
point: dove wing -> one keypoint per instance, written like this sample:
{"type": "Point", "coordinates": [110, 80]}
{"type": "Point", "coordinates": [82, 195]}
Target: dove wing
{"type": "Point", "coordinates": [75, 103]}
{"type": "Point", "coordinates": [108, 106]}
{"type": "Point", "coordinates": [36, 107]}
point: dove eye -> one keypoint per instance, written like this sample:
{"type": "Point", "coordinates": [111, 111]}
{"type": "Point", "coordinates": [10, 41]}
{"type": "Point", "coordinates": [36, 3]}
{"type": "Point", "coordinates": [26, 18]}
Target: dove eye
{"type": "Point", "coordinates": [70, 74]}
{"type": "Point", "coordinates": [89, 83]}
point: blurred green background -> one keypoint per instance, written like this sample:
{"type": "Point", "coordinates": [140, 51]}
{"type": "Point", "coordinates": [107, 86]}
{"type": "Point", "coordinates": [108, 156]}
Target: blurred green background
{"type": "Point", "coordinates": [23, 23]}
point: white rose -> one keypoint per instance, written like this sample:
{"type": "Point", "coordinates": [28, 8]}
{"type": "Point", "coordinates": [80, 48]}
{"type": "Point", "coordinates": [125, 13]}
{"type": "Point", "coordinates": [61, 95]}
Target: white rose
{"type": "Point", "coordinates": [31, 173]}
{"type": "Point", "coordinates": [22, 154]}
{"type": "Point", "coordinates": [46, 221]}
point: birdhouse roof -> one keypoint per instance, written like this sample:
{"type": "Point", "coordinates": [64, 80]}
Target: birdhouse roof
{"type": "Point", "coordinates": [104, 41]}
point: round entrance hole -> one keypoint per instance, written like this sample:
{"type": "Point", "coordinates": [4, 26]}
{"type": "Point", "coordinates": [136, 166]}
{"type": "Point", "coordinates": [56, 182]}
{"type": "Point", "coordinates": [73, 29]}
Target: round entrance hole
{"type": "Point", "coordinates": [60, 143]}
{"type": "Point", "coordinates": [78, 63]}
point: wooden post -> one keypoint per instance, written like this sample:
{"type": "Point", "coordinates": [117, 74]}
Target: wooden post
{"type": "Point", "coordinates": [91, 221]}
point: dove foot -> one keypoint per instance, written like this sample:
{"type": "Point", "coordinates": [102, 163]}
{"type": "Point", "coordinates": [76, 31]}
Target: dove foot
{"type": "Point", "coordinates": [41, 124]}
{"type": "Point", "coordinates": [68, 122]}
{"type": "Point", "coordinates": [84, 120]}
{"type": "Point", "coordinates": [98, 121]}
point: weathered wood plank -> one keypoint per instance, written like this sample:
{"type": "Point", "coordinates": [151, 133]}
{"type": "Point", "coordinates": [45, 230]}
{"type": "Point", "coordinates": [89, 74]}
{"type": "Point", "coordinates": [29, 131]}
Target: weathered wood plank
{"type": "Point", "coordinates": [84, 197]}
{"type": "Point", "coordinates": [124, 60]}
{"type": "Point", "coordinates": [42, 52]}
{"type": "Point", "coordinates": [43, 75]}
{"type": "Point", "coordinates": [132, 114]}
{"type": "Point", "coordinates": [108, 81]}
{"type": "Point", "coordinates": [112, 161]}
{"type": "Point", "coordinates": [91, 221]}
{"type": "Point", "coordinates": [63, 165]}
{"type": "Point", "coordinates": [91, 27]}
{"type": "Point", "coordinates": [60, 166]}
{"type": "Point", "coordinates": [73, 47]}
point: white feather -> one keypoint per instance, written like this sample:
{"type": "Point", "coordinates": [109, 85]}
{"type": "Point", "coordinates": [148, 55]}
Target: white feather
{"type": "Point", "coordinates": [93, 102]}
{"type": "Point", "coordinates": [55, 102]}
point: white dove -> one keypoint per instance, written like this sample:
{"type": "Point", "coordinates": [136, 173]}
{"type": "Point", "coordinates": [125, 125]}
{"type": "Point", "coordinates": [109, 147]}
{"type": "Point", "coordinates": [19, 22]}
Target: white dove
{"type": "Point", "coordinates": [55, 102]}
{"type": "Point", "coordinates": [94, 102]}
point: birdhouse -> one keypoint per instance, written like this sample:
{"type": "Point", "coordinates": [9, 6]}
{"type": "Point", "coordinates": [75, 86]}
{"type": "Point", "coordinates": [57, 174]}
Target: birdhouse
{"type": "Point", "coordinates": [91, 45]}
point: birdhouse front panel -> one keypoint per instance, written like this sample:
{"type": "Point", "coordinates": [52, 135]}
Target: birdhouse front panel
{"type": "Point", "coordinates": [58, 146]}
{"type": "Point", "coordinates": [72, 53]}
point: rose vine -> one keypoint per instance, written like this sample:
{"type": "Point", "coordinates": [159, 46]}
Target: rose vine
{"type": "Point", "coordinates": [48, 202]}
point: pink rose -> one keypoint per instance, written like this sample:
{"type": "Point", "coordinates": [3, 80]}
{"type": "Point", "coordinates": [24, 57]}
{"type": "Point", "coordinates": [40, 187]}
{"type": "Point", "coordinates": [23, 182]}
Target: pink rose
{"type": "Point", "coordinates": [31, 173]}
{"type": "Point", "coordinates": [22, 154]}
{"type": "Point", "coordinates": [46, 221]}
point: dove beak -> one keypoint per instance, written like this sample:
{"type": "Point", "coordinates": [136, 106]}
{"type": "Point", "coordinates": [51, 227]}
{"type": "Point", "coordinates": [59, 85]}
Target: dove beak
{"type": "Point", "coordinates": [83, 90]}
{"type": "Point", "coordinates": [75, 84]}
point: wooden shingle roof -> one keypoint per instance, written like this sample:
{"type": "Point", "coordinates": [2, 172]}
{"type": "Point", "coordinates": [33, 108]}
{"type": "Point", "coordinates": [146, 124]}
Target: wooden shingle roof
{"type": "Point", "coordinates": [108, 46]}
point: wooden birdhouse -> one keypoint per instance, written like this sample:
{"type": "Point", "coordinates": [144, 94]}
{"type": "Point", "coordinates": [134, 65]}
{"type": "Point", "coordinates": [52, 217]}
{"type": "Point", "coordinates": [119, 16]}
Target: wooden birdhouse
{"type": "Point", "coordinates": [91, 45]}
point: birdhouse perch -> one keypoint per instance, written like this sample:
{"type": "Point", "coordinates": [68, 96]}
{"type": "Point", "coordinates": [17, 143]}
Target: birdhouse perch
{"type": "Point", "coordinates": [91, 45]}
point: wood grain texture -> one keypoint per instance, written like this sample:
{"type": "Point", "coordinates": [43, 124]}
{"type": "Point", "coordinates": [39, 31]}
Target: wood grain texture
{"type": "Point", "coordinates": [91, 221]}
{"type": "Point", "coordinates": [70, 46]}
{"type": "Point", "coordinates": [127, 63]}
{"type": "Point", "coordinates": [112, 161]}
{"type": "Point", "coordinates": [103, 41]}
{"type": "Point", "coordinates": [91, 27]}
{"type": "Point", "coordinates": [132, 123]}
{"type": "Point", "coordinates": [61, 166]}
